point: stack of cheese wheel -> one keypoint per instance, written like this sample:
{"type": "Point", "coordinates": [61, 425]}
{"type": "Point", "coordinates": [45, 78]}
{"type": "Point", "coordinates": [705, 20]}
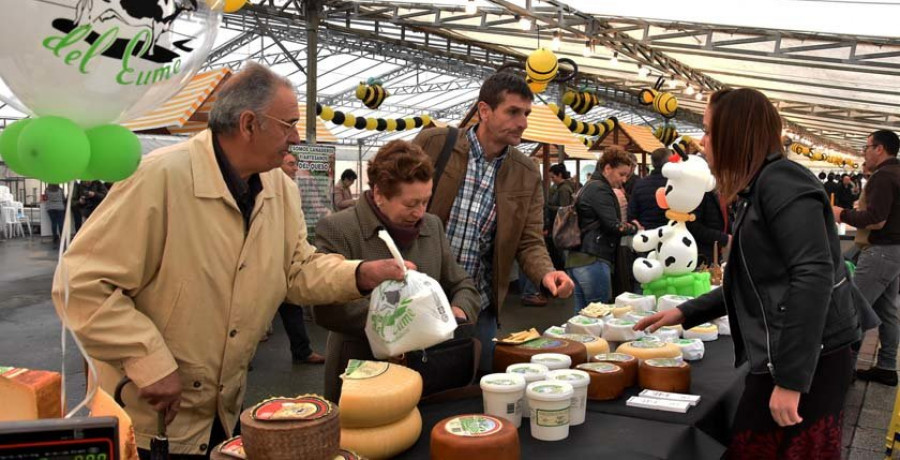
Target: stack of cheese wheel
{"type": "Point", "coordinates": [706, 332]}
{"type": "Point", "coordinates": [648, 349]}
{"type": "Point", "coordinates": [229, 450]}
{"type": "Point", "coordinates": [474, 437]}
{"type": "Point", "coordinates": [628, 363]}
{"type": "Point", "coordinates": [306, 426]}
{"type": "Point", "coordinates": [594, 345]}
{"type": "Point", "coordinates": [665, 374]}
{"type": "Point", "coordinates": [607, 380]}
{"type": "Point", "coordinates": [620, 330]}
{"type": "Point", "coordinates": [691, 349]}
{"type": "Point", "coordinates": [379, 418]}
{"type": "Point", "coordinates": [585, 325]}
{"type": "Point", "coordinates": [637, 302]}
{"type": "Point", "coordinates": [668, 302]}
{"type": "Point", "coordinates": [506, 355]}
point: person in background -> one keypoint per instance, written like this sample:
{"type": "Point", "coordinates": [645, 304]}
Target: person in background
{"type": "Point", "coordinates": [602, 228]}
{"type": "Point", "coordinates": [878, 270]}
{"type": "Point", "coordinates": [343, 197]}
{"type": "Point", "coordinates": [491, 199]}
{"type": "Point", "coordinates": [642, 206]}
{"type": "Point", "coordinates": [400, 178]}
{"type": "Point", "coordinates": [55, 200]}
{"type": "Point", "coordinates": [847, 193]}
{"type": "Point", "coordinates": [91, 194]}
{"type": "Point", "coordinates": [75, 206]}
{"type": "Point", "coordinates": [831, 186]}
{"type": "Point", "coordinates": [628, 186]}
{"type": "Point", "coordinates": [793, 327]}
{"type": "Point", "coordinates": [292, 315]}
{"type": "Point", "coordinates": [709, 227]}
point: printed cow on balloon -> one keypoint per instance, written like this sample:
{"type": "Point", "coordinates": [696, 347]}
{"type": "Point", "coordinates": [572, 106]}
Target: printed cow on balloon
{"type": "Point", "coordinates": [672, 249]}
{"type": "Point", "coordinates": [155, 15]}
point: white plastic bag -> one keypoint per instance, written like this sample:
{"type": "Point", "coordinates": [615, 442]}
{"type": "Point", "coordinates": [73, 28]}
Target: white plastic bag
{"type": "Point", "coordinates": [407, 315]}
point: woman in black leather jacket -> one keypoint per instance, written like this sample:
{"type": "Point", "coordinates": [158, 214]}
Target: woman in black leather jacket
{"type": "Point", "coordinates": [785, 289]}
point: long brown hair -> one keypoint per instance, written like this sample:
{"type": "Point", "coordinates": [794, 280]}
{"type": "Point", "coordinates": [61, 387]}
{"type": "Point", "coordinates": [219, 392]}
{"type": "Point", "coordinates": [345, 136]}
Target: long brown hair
{"type": "Point", "coordinates": [744, 129]}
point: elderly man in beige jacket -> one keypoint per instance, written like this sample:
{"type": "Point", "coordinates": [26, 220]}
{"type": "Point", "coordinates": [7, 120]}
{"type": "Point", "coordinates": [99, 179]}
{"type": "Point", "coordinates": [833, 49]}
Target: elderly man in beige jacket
{"type": "Point", "coordinates": [175, 277]}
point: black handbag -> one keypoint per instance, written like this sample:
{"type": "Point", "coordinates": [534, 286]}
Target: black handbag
{"type": "Point", "coordinates": [447, 366]}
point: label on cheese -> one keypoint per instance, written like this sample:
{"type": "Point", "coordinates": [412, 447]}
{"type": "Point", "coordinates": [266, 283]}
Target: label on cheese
{"type": "Point", "coordinates": [581, 338]}
{"type": "Point", "coordinates": [601, 368]}
{"type": "Point", "coordinates": [545, 360]}
{"type": "Point", "coordinates": [233, 447]}
{"type": "Point", "coordinates": [474, 426]}
{"type": "Point", "coordinates": [583, 320]}
{"type": "Point", "coordinates": [619, 357]}
{"type": "Point", "coordinates": [665, 362]}
{"type": "Point", "coordinates": [621, 322]}
{"type": "Point", "coordinates": [542, 343]}
{"type": "Point", "coordinates": [685, 342]}
{"type": "Point", "coordinates": [647, 344]}
{"type": "Point", "coordinates": [358, 369]}
{"type": "Point", "coordinates": [307, 407]}
{"type": "Point", "coordinates": [552, 418]}
{"type": "Point", "coordinates": [5, 369]}
{"type": "Point", "coordinates": [503, 381]}
{"type": "Point", "coordinates": [528, 369]}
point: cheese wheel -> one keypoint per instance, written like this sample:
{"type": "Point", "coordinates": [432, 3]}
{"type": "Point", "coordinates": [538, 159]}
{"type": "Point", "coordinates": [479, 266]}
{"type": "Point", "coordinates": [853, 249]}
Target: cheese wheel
{"type": "Point", "coordinates": [691, 349]}
{"type": "Point", "coordinates": [648, 349]}
{"type": "Point", "coordinates": [553, 361]}
{"type": "Point", "coordinates": [594, 345]}
{"type": "Point", "coordinates": [723, 324]}
{"type": "Point", "coordinates": [638, 315]}
{"type": "Point", "coordinates": [665, 374]}
{"type": "Point", "coordinates": [289, 428]}
{"type": "Point", "coordinates": [27, 394]}
{"type": "Point", "coordinates": [505, 355]}
{"type": "Point", "coordinates": [706, 332]}
{"type": "Point", "coordinates": [668, 302]}
{"type": "Point", "coordinates": [620, 330]}
{"type": "Point", "coordinates": [103, 405]}
{"type": "Point", "coordinates": [667, 333]}
{"type": "Point", "coordinates": [376, 393]}
{"type": "Point", "coordinates": [229, 450]}
{"type": "Point", "coordinates": [383, 441]}
{"type": "Point", "coordinates": [585, 325]}
{"type": "Point", "coordinates": [555, 331]}
{"type": "Point", "coordinates": [637, 302]}
{"type": "Point", "coordinates": [474, 437]}
{"type": "Point", "coordinates": [620, 312]}
{"type": "Point", "coordinates": [628, 363]}
{"type": "Point", "coordinates": [607, 380]}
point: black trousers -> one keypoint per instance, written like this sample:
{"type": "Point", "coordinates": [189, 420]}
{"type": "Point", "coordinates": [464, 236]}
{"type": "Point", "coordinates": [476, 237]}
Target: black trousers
{"type": "Point", "coordinates": [216, 437]}
{"type": "Point", "coordinates": [292, 317]}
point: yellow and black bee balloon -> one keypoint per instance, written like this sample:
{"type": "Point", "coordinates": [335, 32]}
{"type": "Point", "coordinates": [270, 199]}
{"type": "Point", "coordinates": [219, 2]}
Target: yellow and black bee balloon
{"type": "Point", "coordinates": [370, 124]}
{"type": "Point", "coordinates": [540, 69]}
{"type": "Point", "coordinates": [580, 127]}
{"type": "Point", "coordinates": [684, 145]}
{"type": "Point", "coordinates": [581, 101]}
{"type": "Point", "coordinates": [666, 133]}
{"type": "Point", "coordinates": [371, 93]}
{"type": "Point", "coordinates": [663, 102]}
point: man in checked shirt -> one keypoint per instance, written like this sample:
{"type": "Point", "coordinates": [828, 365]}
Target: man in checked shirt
{"type": "Point", "coordinates": [490, 199]}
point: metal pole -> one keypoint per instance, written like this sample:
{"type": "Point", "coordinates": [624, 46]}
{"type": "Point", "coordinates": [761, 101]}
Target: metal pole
{"type": "Point", "coordinates": [359, 169]}
{"type": "Point", "coordinates": [313, 13]}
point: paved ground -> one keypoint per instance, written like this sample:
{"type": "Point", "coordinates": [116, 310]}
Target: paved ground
{"type": "Point", "coordinates": [30, 337]}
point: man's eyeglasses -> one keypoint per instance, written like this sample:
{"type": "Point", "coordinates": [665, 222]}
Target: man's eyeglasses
{"type": "Point", "coordinates": [867, 147]}
{"type": "Point", "coordinates": [287, 124]}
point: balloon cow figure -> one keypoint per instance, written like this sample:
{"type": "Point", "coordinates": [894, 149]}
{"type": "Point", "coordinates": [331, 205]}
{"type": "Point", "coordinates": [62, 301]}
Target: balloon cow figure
{"type": "Point", "coordinates": [672, 249]}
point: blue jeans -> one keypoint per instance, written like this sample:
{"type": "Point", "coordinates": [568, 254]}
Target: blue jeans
{"type": "Point", "coordinates": [877, 278]}
{"type": "Point", "coordinates": [526, 287]}
{"type": "Point", "coordinates": [592, 283]}
{"type": "Point", "coordinates": [485, 331]}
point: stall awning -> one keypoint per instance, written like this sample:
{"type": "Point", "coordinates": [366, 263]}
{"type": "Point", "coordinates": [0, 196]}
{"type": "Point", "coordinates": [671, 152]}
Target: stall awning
{"type": "Point", "coordinates": [544, 127]}
{"type": "Point", "coordinates": [179, 111]}
{"type": "Point", "coordinates": [643, 137]}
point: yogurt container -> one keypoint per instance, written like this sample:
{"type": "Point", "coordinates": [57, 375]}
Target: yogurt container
{"type": "Point", "coordinates": [532, 373]}
{"type": "Point", "coordinates": [549, 401]}
{"type": "Point", "coordinates": [553, 361]}
{"type": "Point", "coordinates": [579, 381]}
{"type": "Point", "coordinates": [503, 395]}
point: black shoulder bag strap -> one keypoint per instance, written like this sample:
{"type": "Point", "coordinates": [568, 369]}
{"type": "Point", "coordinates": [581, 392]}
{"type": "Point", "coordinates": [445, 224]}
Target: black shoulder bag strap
{"type": "Point", "coordinates": [442, 160]}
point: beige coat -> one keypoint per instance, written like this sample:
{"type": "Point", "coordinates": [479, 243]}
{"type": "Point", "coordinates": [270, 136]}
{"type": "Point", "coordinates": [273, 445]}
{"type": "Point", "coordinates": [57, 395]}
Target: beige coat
{"type": "Point", "coordinates": [162, 278]}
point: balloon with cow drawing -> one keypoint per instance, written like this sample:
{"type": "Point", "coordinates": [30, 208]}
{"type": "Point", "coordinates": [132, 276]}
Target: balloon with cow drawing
{"type": "Point", "coordinates": [100, 62]}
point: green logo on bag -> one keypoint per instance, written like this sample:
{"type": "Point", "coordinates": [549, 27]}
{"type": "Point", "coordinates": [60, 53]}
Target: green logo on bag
{"type": "Point", "coordinates": [391, 324]}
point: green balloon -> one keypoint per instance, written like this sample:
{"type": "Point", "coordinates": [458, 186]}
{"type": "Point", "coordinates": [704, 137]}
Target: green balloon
{"type": "Point", "coordinates": [115, 153]}
{"type": "Point", "coordinates": [9, 146]}
{"type": "Point", "coordinates": [54, 149]}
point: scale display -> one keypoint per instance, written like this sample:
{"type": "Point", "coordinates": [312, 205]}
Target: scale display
{"type": "Point", "coordinates": [87, 438]}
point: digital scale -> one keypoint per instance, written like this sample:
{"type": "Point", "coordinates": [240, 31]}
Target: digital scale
{"type": "Point", "coordinates": [77, 438]}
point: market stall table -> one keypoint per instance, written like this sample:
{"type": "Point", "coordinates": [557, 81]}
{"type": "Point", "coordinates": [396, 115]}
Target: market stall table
{"type": "Point", "coordinates": [624, 432]}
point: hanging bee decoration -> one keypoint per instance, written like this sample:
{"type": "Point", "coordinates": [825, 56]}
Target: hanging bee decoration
{"type": "Point", "coordinates": [542, 67]}
{"type": "Point", "coordinates": [663, 102]}
{"type": "Point", "coordinates": [684, 145]}
{"type": "Point", "coordinates": [579, 127]}
{"type": "Point", "coordinates": [371, 93]}
{"type": "Point", "coordinates": [666, 133]}
{"type": "Point", "coordinates": [587, 141]}
{"type": "Point", "coordinates": [370, 124]}
{"type": "Point", "coordinates": [581, 101]}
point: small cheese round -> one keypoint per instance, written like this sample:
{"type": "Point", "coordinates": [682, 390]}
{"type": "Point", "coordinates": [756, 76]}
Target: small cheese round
{"type": "Point", "coordinates": [620, 312]}
{"type": "Point", "coordinates": [691, 349]}
{"type": "Point", "coordinates": [667, 333]}
{"type": "Point", "coordinates": [607, 380]}
{"type": "Point", "coordinates": [665, 374]}
{"type": "Point", "coordinates": [668, 302]}
{"type": "Point", "coordinates": [636, 301]}
{"type": "Point", "coordinates": [585, 325]}
{"type": "Point", "coordinates": [646, 349]}
{"type": "Point", "coordinates": [620, 330]}
{"type": "Point", "coordinates": [723, 324]}
{"type": "Point", "coordinates": [287, 428]}
{"type": "Point", "coordinates": [628, 363]}
{"type": "Point", "coordinates": [474, 437]}
{"type": "Point", "coordinates": [555, 331]}
{"type": "Point", "coordinates": [382, 442]}
{"type": "Point", "coordinates": [594, 345]}
{"type": "Point", "coordinates": [505, 355]}
{"type": "Point", "coordinates": [706, 332]}
{"type": "Point", "coordinates": [377, 393]}
{"type": "Point", "coordinates": [636, 316]}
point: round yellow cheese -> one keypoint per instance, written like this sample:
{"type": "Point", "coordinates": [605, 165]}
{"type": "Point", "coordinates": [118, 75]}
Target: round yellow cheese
{"type": "Point", "coordinates": [385, 441]}
{"type": "Point", "coordinates": [594, 345]}
{"type": "Point", "coordinates": [645, 349]}
{"type": "Point", "coordinates": [376, 393]}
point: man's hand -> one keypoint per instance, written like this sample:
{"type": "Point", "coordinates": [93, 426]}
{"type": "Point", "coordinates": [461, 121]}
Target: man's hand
{"type": "Point", "coordinates": [664, 318]}
{"type": "Point", "coordinates": [837, 213]}
{"type": "Point", "coordinates": [559, 284]}
{"type": "Point", "coordinates": [164, 395]}
{"type": "Point", "coordinates": [783, 404]}
{"type": "Point", "coordinates": [372, 272]}
{"type": "Point", "coordinates": [459, 314]}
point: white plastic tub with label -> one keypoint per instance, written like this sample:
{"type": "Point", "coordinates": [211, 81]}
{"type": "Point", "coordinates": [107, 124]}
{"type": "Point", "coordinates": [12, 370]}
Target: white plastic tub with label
{"type": "Point", "coordinates": [549, 401]}
{"type": "Point", "coordinates": [503, 395]}
{"type": "Point", "coordinates": [579, 381]}
{"type": "Point", "coordinates": [532, 373]}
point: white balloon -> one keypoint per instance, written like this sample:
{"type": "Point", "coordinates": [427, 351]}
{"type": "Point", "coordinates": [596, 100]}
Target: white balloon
{"type": "Point", "coordinates": [98, 61]}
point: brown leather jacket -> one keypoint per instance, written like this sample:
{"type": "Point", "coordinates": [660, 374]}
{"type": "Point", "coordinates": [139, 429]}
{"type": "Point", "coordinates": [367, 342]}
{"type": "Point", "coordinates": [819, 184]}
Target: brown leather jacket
{"type": "Point", "coordinates": [520, 209]}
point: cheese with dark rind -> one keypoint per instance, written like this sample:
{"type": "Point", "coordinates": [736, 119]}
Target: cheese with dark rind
{"type": "Point", "coordinates": [594, 345]}
{"type": "Point", "coordinates": [231, 449]}
{"type": "Point", "coordinates": [382, 442]}
{"type": "Point", "coordinates": [607, 380]}
{"type": "Point", "coordinates": [666, 374]}
{"type": "Point", "coordinates": [375, 393]}
{"type": "Point", "coordinates": [307, 426]}
{"type": "Point", "coordinates": [505, 355]}
{"type": "Point", "coordinates": [628, 363]}
{"type": "Point", "coordinates": [474, 437]}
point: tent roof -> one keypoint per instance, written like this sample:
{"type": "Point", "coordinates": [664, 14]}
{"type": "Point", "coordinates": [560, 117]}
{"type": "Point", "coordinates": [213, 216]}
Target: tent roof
{"type": "Point", "coordinates": [178, 110]}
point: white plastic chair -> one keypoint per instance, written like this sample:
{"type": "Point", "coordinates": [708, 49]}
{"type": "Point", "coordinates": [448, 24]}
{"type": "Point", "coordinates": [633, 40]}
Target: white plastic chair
{"type": "Point", "coordinates": [11, 225]}
{"type": "Point", "coordinates": [21, 217]}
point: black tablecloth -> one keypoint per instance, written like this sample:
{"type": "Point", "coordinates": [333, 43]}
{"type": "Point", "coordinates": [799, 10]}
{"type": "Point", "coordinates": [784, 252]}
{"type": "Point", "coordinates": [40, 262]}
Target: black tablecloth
{"type": "Point", "coordinates": [613, 430]}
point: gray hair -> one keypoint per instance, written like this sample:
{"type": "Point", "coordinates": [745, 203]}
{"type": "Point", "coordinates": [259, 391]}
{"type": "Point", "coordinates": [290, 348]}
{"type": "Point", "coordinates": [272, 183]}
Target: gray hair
{"type": "Point", "coordinates": [250, 89]}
